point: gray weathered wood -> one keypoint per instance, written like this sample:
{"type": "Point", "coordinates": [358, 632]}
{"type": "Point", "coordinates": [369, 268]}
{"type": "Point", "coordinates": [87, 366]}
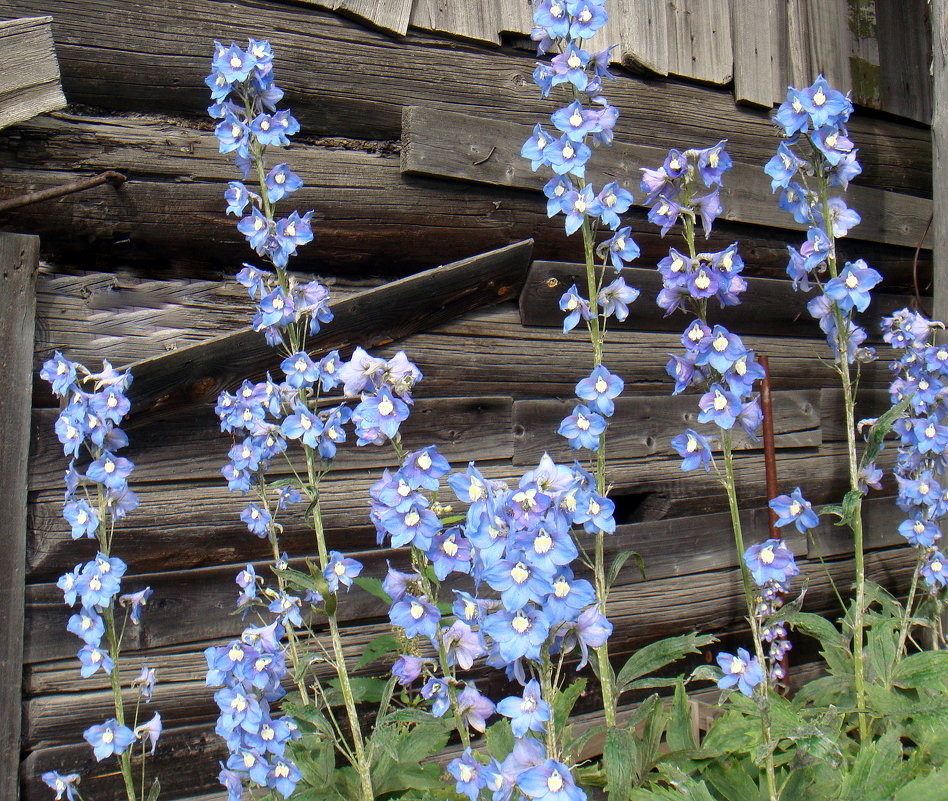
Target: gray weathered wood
{"type": "Point", "coordinates": [514, 16]}
{"type": "Point", "coordinates": [462, 429]}
{"type": "Point", "coordinates": [645, 36]}
{"type": "Point", "coordinates": [905, 57]}
{"type": "Point", "coordinates": [391, 16]}
{"type": "Point", "coordinates": [461, 146]}
{"type": "Point", "coordinates": [377, 316]}
{"type": "Point", "coordinates": [699, 40]}
{"type": "Point", "coordinates": [172, 222]}
{"type": "Point", "coordinates": [29, 77]}
{"type": "Point", "coordinates": [870, 403]}
{"type": "Point", "coordinates": [940, 153]}
{"type": "Point", "coordinates": [19, 256]}
{"type": "Point", "coordinates": [769, 306]}
{"type": "Point", "coordinates": [345, 80]}
{"type": "Point", "coordinates": [645, 426]}
{"type": "Point", "coordinates": [754, 34]}
{"type": "Point", "coordinates": [478, 21]}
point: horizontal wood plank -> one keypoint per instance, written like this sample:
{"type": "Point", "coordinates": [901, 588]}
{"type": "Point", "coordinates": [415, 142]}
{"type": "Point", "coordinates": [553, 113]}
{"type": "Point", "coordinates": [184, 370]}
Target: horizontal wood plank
{"type": "Point", "coordinates": [463, 429]}
{"type": "Point", "coordinates": [460, 146]}
{"type": "Point", "coordinates": [769, 306]}
{"type": "Point", "coordinates": [645, 426]}
{"type": "Point", "coordinates": [345, 80]}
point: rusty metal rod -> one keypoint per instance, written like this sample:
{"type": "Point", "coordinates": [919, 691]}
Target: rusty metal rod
{"type": "Point", "coordinates": [112, 177]}
{"type": "Point", "coordinates": [770, 456]}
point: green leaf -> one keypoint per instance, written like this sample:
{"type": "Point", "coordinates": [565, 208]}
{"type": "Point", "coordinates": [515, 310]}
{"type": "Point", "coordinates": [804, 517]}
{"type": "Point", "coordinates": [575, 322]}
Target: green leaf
{"type": "Point", "coordinates": [619, 756]}
{"type": "Point", "coordinates": [876, 773]}
{"type": "Point", "coordinates": [154, 791]}
{"type": "Point", "coordinates": [621, 558]}
{"type": "Point", "coordinates": [565, 700]}
{"type": "Point", "coordinates": [680, 734]}
{"type": "Point", "coordinates": [835, 650]}
{"type": "Point", "coordinates": [383, 645]}
{"type": "Point", "coordinates": [735, 780]}
{"type": "Point", "coordinates": [881, 428]}
{"type": "Point", "coordinates": [924, 670]}
{"type": "Point", "coordinates": [731, 734]}
{"type": "Point", "coordinates": [930, 787]}
{"type": "Point", "coordinates": [424, 740]}
{"type": "Point", "coordinates": [657, 655]}
{"type": "Point", "coordinates": [373, 586]}
{"type": "Point", "coordinates": [500, 739]}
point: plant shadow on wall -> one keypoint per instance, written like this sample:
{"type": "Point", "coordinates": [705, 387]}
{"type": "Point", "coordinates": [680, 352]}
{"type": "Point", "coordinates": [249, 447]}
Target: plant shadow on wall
{"type": "Point", "coordinates": [513, 575]}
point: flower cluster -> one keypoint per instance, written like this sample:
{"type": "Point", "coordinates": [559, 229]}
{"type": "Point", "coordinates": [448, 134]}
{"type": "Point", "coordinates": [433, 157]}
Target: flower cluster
{"type": "Point", "coordinates": [714, 359]}
{"type": "Point", "coordinates": [817, 148]}
{"type": "Point", "coordinates": [249, 672]}
{"type": "Point", "coordinates": [517, 542]}
{"type": "Point", "coordinates": [244, 98]}
{"type": "Point", "coordinates": [921, 375]}
{"type": "Point", "coordinates": [97, 495]}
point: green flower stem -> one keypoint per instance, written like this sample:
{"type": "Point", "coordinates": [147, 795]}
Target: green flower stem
{"type": "Point", "coordinates": [599, 568]}
{"type": "Point", "coordinates": [730, 486]}
{"type": "Point", "coordinates": [115, 647]}
{"type": "Point", "coordinates": [124, 759]}
{"type": "Point", "coordinates": [361, 764]}
{"type": "Point", "coordinates": [907, 613]}
{"type": "Point", "coordinates": [855, 520]}
{"type": "Point", "coordinates": [547, 689]}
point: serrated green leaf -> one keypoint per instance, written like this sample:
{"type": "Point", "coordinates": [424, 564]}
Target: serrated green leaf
{"type": "Point", "coordinates": [733, 733]}
{"type": "Point", "coordinates": [565, 700]}
{"type": "Point", "coordinates": [154, 791]}
{"type": "Point", "coordinates": [930, 787]}
{"type": "Point", "coordinates": [617, 564]}
{"type": "Point", "coordinates": [619, 757]}
{"type": "Point", "coordinates": [835, 646]}
{"type": "Point", "coordinates": [657, 655]}
{"type": "Point", "coordinates": [880, 429]}
{"type": "Point", "coordinates": [923, 670]}
{"type": "Point", "coordinates": [500, 739]}
{"type": "Point", "coordinates": [373, 586]}
{"type": "Point", "coordinates": [680, 734]}
{"type": "Point", "coordinates": [383, 645]}
{"type": "Point", "coordinates": [735, 780]}
{"type": "Point", "coordinates": [876, 772]}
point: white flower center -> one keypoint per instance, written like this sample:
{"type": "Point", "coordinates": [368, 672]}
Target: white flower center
{"type": "Point", "coordinates": [767, 555]}
{"type": "Point", "coordinates": [520, 624]}
{"type": "Point", "coordinates": [519, 573]}
{"type": "Point", "coordinates": [412, 518]}
{"type": "Point", "coordinates": [582, 423]}
{"type": "Point", "coordinates": [720, 343]}
{"type": "Point", "coordinates": [555, 782]}
{"type": "Point", "coordinates": [702, 281]}
{"type": "Point", "coordinates": [416, 610]}
{"type": "Point", "coordinates": [568, 151]}
{"type": "Point", "coordinates": [720, 402]}
{"type": "Point", "coordinates": [424, 461]}
{"type": "Point", "coordinates": [386, 407]}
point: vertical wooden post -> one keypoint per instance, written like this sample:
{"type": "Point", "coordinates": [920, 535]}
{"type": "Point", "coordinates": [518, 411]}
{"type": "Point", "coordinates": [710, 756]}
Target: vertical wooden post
{"type": "Point", "coordinates": [19, 256]}
{"type": "Point", "coordinates": [939, 10]}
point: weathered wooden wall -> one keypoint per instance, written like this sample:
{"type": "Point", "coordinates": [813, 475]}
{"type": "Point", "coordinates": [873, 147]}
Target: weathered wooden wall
{"type": "Point", "coordinates": [400, 183]}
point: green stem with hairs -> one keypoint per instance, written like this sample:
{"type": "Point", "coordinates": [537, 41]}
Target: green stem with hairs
{"type": "Point", "coordinates": [360, 763]}
{"type": "Point", "coordinates": [599, 568]}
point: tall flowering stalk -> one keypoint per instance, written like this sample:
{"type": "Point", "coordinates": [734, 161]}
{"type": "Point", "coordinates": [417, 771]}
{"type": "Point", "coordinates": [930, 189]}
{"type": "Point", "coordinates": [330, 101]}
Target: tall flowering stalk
{"type": "Point", "coordinates": [685, 189]}
{"type": "Point", "coordinates": [815, 158]}
{"type": "Point", "coordinates": [97, 496]}
{"type": "Point", "coordinates": [266, 418]}
{"type": "Point", "coordinates": [921, 375]}
{"type": "Point", "coordinates": [562, 26]}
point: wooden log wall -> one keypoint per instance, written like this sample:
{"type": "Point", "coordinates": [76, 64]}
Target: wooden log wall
{"type": "Point", "coordinates": [401, 183]}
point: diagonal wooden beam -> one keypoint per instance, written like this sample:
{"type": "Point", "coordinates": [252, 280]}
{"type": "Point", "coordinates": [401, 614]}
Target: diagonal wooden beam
{"type": "Point", "coordinates": [196, 374]}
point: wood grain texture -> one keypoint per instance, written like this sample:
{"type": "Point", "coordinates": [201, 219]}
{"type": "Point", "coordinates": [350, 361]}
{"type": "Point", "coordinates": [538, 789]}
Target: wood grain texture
{"type": "Point", "coordinates": [460, 146]}
{"type": "Point", "coordinates": [19, 256]}
{"type": "Point", "coordinates": [391, 16]}
{"type": "Point", "coordinates": [462, 429]}
{"type": "Point", "coordinates": [196, 374]}
{"type": "Point", "coordinates": [29, 77]}
{"type": "Point", "coordinates": [756, 52]}
{"type": "Point", "coordinates": [344, 80]}
{"type": "Point", "coordinates": [645, 426]}
{"type": "Point", "coordinates": [769, 307]}
{"type": "Point", "coordinates": [940, 142]}
{"type": "Point", "coordinates": [168, 219]}
{"type": "Point", "coordinates": [699, 40]}
{"type": "Point", "coordinates": [477, 21]}
{"type": "Point", "coordinates": [905, 57]}
{"type": "Point", "coordinates": [645, 36]}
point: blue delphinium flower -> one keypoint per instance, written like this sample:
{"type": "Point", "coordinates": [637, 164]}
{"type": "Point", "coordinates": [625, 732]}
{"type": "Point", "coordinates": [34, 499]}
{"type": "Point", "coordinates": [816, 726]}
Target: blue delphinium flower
{"type": "Point", "coordinates": [528, 712]}
{"type": "Point", "coordinates": [742, 671]}
{"type": "Point", "coordinates": [770, 561]}
{"type": "Point", "coordinates": [108, 738]}
{"type": "Point", "coordinates": [794, 508]}
{"type": "Point", "coordinates": [64, 785]}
